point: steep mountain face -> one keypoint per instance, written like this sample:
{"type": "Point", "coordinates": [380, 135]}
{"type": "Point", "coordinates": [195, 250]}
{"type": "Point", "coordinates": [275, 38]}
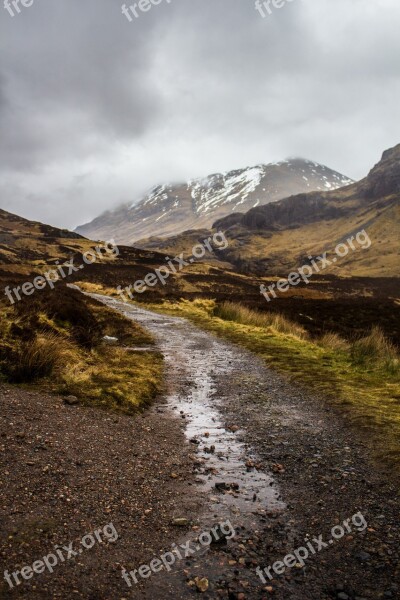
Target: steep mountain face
{"type": "Point", "coordinates": [281, 236]}
{"type": "Point", "coordinates": [276, 238]}
{"type": "Point", "coordinates": [384, 178]}
{"type": "Point", "coordinates": [382, 182]}
{"type": "Point", "coordinates": [173, 208]}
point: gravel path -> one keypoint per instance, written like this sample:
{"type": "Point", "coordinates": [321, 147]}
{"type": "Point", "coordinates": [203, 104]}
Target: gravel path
{"type": "Point", "coordinates": [280, 466]}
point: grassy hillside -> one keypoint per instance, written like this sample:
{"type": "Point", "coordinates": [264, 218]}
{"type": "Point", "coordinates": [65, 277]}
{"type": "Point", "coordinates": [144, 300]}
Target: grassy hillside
{"type": "Point", "coordinates": [280, 252]}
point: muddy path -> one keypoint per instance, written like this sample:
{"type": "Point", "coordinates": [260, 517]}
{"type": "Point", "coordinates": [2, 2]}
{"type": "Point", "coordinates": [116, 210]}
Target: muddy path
{"type": "Point", "coordinates": [282, 468]}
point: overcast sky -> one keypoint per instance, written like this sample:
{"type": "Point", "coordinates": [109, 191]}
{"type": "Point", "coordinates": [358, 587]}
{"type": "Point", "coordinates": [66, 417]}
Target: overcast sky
{"type": "Point", "coordinates": [95, 109]}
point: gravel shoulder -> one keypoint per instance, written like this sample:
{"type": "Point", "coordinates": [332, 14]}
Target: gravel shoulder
{"type": "Point", "coordinates": [67, 471]}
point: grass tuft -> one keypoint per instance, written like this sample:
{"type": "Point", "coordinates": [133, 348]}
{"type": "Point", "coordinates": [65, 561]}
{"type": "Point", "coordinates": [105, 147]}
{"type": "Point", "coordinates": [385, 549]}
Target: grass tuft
{"type": "Point", "coordinates": [55, 342]}
{"type": "Point", "coordinates": [375, 350]}
{"type": "Point", "coordinates": [37, 358]}
{"type": "Point", "coordinates": [333, 341]}
{"type": "Point", "coordinates": [234, 311]}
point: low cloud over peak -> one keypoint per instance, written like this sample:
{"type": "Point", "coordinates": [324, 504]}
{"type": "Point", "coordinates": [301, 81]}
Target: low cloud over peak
{"type": "Point", "coordinates": [94, 109]}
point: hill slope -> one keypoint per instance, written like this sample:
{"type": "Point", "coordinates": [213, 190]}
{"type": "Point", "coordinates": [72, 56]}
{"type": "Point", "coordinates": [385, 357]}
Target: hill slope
{"type": "Point", "coordinates": [172, 208]}
{"type": "Point", "coordinates": [29, 249]}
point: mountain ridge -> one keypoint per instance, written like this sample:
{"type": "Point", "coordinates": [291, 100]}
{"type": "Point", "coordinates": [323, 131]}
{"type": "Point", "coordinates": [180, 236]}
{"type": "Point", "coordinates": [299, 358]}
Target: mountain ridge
{"type": "Point", "coordinates": [169, 209]}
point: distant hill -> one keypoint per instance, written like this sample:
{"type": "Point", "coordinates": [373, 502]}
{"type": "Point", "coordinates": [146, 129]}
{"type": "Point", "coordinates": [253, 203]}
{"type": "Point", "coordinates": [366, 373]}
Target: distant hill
{"type": "Point", "coordinates": [28, 245]}
{"type": "Point", "coordinates": [22, 240]}
{"type": "Point", "coordinates": [28, 248]}
{"type": "Point", "coordinates": [172, 208]}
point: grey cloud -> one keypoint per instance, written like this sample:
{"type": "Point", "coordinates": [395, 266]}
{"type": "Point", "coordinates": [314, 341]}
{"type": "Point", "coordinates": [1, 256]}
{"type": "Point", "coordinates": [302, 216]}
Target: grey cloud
{"type": "Point", "coordinates": [94, 109]}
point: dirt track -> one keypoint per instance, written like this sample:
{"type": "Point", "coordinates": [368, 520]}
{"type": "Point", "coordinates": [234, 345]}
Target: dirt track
{"type": "Point", "coordinates": [299, 469]}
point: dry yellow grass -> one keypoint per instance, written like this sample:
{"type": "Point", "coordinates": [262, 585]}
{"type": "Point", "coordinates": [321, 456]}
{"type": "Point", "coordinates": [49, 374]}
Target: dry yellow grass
{"type": "Point", "coordinates": [333, 341]}
{"type": "Point", "coordinates": [234, 311]}
{"type": "Point", "coordinates": [375, 349]}
{"type": "Point", "coordinates": [43, 350]}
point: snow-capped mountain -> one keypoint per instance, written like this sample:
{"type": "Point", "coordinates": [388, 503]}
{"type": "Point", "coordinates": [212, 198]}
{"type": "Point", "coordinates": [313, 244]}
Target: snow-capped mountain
{"type": "Point", "coordinates": [172, 208]}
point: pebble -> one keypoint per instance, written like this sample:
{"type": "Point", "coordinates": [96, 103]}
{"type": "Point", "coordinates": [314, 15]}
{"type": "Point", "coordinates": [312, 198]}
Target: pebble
{"type": "Point", "coordinates": [363, 556]}
{"type": "Point", "coordinates": [71, 400]}
{"type": "Point", "coordinates": [202, 584]}
{"type": "Point", "coordinates": [180, 522]}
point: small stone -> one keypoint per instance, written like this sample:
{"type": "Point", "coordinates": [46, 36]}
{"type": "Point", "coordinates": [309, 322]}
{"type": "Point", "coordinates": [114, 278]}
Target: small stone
{"type": "Point", "coordinates": [363, 556]}
{"type": "Point", "coordinates": [277, 468]}
{"type": "Point", "coordinates": [218, 536]}
{"type": "Point", "coordinates": [110, 340]}
{"type": "Point", "coordinates": [180, 522]}
{"type": "Point", "coordinates": [201, 584]}
{"type": "Point", "coordinates": [222, 486]}
{"type": "Point", "coordinates": [343, 596]}
{"type": "Point", "coordinates": [71, 400]}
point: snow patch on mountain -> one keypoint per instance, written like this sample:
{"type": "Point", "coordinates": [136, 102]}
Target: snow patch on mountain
{"type": "Point", "coordinates": [220, 189]}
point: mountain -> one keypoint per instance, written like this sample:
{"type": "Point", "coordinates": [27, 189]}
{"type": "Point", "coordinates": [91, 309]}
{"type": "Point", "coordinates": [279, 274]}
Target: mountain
{"type": "Point", "coordinates": [276, 238]}
{"type": "Point", "coordinates": [172, 208]}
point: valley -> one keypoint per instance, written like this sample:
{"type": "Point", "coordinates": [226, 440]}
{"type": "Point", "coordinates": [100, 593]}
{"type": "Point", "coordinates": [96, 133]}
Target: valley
{"type": "Point", "coordinates": [197, 402]}
{"type": "Point", "coordinates": [259, 451]}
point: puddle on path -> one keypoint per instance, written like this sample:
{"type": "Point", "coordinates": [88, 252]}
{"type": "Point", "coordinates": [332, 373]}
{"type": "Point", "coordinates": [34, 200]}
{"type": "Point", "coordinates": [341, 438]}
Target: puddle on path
{"type": "Point", "coordinates": [194, 361]}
